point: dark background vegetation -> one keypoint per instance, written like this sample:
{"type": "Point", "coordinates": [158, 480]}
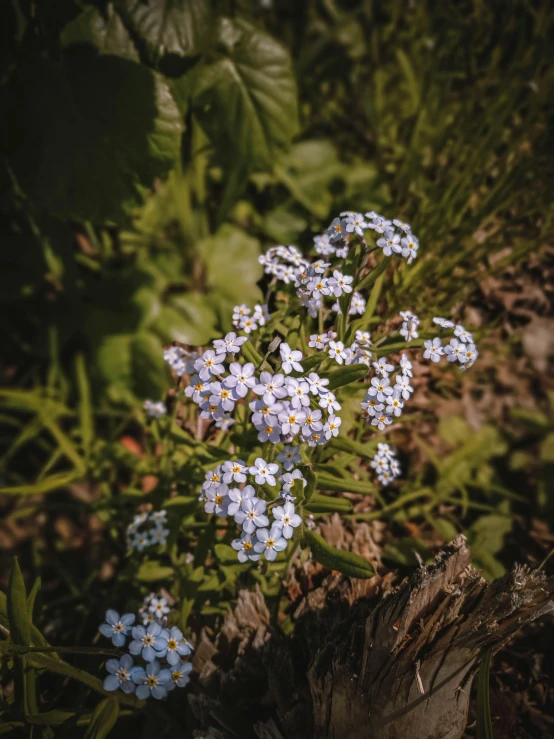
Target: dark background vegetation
{"type": "Point", "coordinates": [150, 150]}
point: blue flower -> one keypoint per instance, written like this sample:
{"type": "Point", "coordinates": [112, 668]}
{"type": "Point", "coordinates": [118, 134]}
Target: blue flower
{"type": "Point", "coordinates": [120, 674]}
{"type": "Point", "coordinates": [180, 676]}
{"type": "Point", "coordinates": [152, 681]}
{"type": "Point", "coordinates": [177, 645]}
{"type": "Point", "coordinates": [116, 628]}
{"type": "Point", "coordinates": [149, 642]}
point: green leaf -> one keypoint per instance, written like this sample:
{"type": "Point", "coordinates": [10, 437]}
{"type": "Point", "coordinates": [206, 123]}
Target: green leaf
{"type": "Point", "coordinates": [168, 28]}
{"type": "Point", "coordinates": [133, 363]}
{"type": "Point", "coordinates": [344, 444]}
{"type": "Point", "coordinates": [31, 599]}
{"type": "Point", "coordinates": [484, 722]}
{"type": "Point", "coordinates": [335, 559]}
{"type": "Point", "coordinates": [345, 485]}
{"type": "Point", "coordinates": [20, 625]}
{"type": "Point", "coordinates": [231, 259]}
{"type": "Point", "coordinates": [376, 272]}
{"type": "Point", "coordinates": [103, 719]}
{"type": "Point", "coordinates": [346, 375]}
{"type": "Point", "coordinates": [91, 134]}
{"type": "Point", "coordinates": [225, 553]}
{"type": "Point", "coordinates": [104, 31]}
{"type": "Point", "coordinates": [250, 354]}
{"type": "Point", "coordinates": [311, 484]}
{"type": "Point", "coordinates": [246, 98]}
{"type": "Point", "coordinates": [153, 571]}
{"type": "Point", "coordinates": [309, 363]}
{"type": "Point", "coordinates": [189, 319]}
{"type": "Point", "coordinates": [85, 405]}
{"type": "Point", "coordinates": [327, 504]}
{"type": "Point", "coordinates": [46, 485]}
{"type": "Point", "coordinates": [307, 171]}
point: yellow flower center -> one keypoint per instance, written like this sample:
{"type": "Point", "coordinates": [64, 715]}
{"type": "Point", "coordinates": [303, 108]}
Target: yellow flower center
{"type": "Point", "coordinates": [172, 644]}
{"type": "Point", "coordinates": [247, 546]}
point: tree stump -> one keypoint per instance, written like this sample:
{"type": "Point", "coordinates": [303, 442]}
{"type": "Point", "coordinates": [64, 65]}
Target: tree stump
{"type": "Point", "coordinates": [397, 665]}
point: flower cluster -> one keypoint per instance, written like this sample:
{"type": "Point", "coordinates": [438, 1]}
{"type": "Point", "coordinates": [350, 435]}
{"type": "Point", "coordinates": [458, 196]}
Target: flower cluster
{"type": "Point", "coordinates": [226, 492]}
{"type": "Point", "coordinates": [410, 323]}
{"type": "Point", "coordinates": [154, 644]}
{"type": "Point", "coordinates": [180, 360]}
{"type": "Point", "coordinates": [147, 529]}
{"type": "Point", "coordinates": [384, 400]}
{"type": "Point", "coordinates": [385, 464]}
{"type": "Point", "coordinates": [282, 407]}
{"type": "Point", "coordinates": [245, 320]}
{"type": "Point", "coordinates": [155, 410]}
{"type": "Point", "coordinates": [461, 348]}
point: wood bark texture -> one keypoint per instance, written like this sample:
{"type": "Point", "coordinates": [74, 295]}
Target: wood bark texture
{"type": "Point", "coordinates": [362, 663]}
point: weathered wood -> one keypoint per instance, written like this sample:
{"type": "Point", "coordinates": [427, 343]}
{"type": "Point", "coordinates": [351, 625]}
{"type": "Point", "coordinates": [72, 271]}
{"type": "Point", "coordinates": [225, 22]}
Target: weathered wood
{"type": "Point", "coordinates": [397, 665]}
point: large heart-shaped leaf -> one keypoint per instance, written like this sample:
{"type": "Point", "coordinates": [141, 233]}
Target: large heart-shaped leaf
{"type": "Point", "coordinates": [168, 27]}
{"type": "Point", "coordinates": [247, 94]}
{"type": "Point", "coordinates": [86, 137]}
{"type": "Point", "coordinates": [105, 32]}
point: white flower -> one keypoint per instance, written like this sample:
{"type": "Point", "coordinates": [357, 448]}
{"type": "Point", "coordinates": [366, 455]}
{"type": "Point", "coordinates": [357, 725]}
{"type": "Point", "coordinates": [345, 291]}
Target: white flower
{"type": "Point", "coordinates": [380, 388]}
{"type": "Point", "coordinates": [251, 514]}
{"type": "Point", "coordinates": [328, 400]}
{"type": "Point", "coordinates": [340, 283]}
{"type": "Point", "coordinates": [159, 535]}
{"type": "Point", "coordinates": [291, 419]}
{"type": "Point", "coordinates": [443, 322]}
{"type": "Point", "coordinates": [291, 359]}
{"type": "Point", "coordinates": [406, 366]}
{"type": "Point", "coordinates": [433, 350]}
{"type": "Point", "coordinates": [319, 285]}
{"type": "Point", "coordinates": [289, 457]}
{"type": "Point", "coordinates": [377, 222]}
{"type": "Point", "coordinates": [240, 311]}
{"type": "Point", "coordinates": [403, 386]}
{"type": "Point", "coordinates": [318, 341]}
{"type": "Point", "coordinates": [395, 404]}
{"type": "Point", "coordinates": [209, 364]}
{"type": "Point", "coordinates": [155, 410]}
{"type": "Point", "coordinates": [363, 337]}
{"type": "Point", "coordinates": [336, 351]}
{"type": "Point", "coordinates": [270, 542]}
{"type": "Point", "coordinates": [332, 426]}
{"type": "Point", "coordinates": [382, 367]}
{"type": "Point", "coordinates": [236, 496]}
{"type": "Point", "coordinates": [355, 223]}
{"type": "Point", "coordinates": [381, 421]}
{"type": "Point", "coordinates": [471, 356]}
{"type": "Point", "coordinates": [317, 384]}
{"type": "Point", "coordinates": [287, 480]}
{"type": "Point", "coordinates": [357, 306]}
{"type": "Point", "coordinates": [248, 324]}
{"type": "Point", "coordinates": [234, 471]}
{"type": "Point", "coordinates": [224, 423]}
{"type": "Point", "coordinates": [197, 389]}
{"type": "Point", "coordinates": [261, 314]}
{"type": "Point", "coordinates": [270, 432]}
{"type": "Point", "coordinates": [312, 422]}
{"type": "Point", "coordinates": [463, 334]}
{"type": "Point", "coordinates": [410, 245]}
{"type": "Point", "coordinates": [217, 500]}
{"type": "Point", "coordinates": [286, 519]}
{"type": "Point", "coordinates": [389, 242]}
{"type": "Point", "coordinates": [264, 471]}
{"type": "Point", "coordinates": [372, 407]}
{"type": "Point", "coordinates": [245, 548]}
{"type": "Point", "coordinates": [456, 351]}
{"type": "Point", "coordinates": [221, 395]}
{"type": "Point", "coordinates": [336, 230]}
{"type": "Point", "coordinates": [230, 344]}
{"type": "Point", "coordinates": [241, 378]}
{"type": "Point", "coordinates": [271, 387]}
{"type": "Point", "coordinates": [299, 392]}
{"type": "Point", "coordinates": [402, 226]}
